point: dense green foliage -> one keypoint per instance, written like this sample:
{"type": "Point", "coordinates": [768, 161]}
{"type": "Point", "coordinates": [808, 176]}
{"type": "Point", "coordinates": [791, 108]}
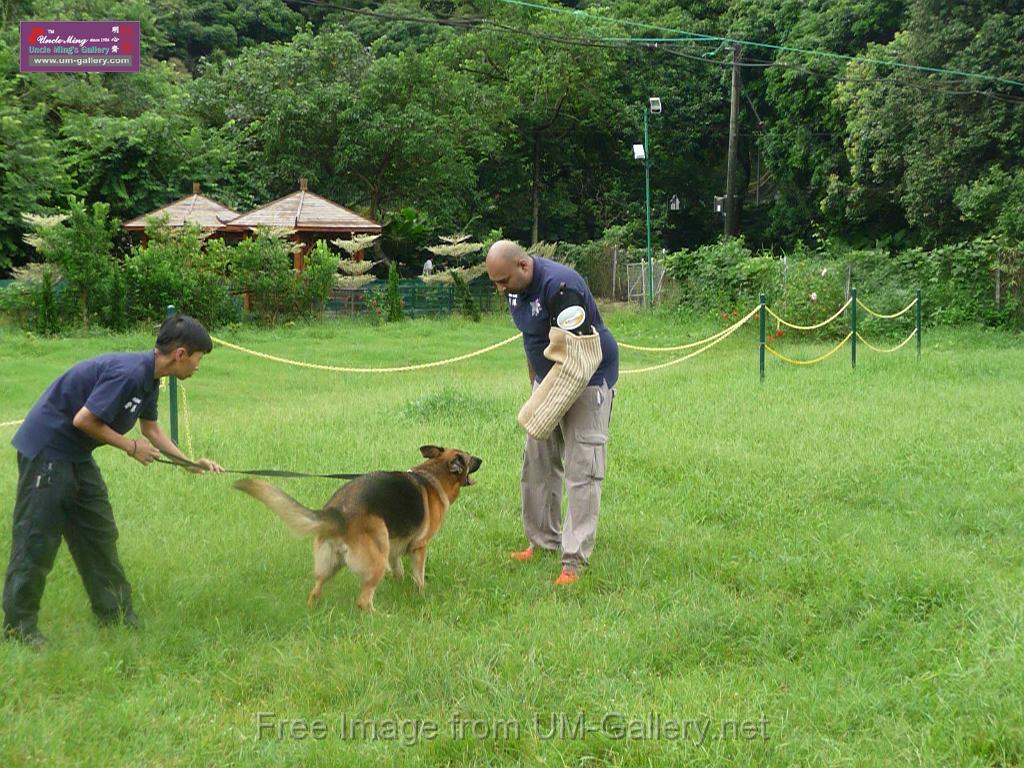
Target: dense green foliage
{"type": "Point", "coordinates": [809, 285]}
{"type": "Point", "coordinates": [524, 122]}
{"type": "Point", "coordinates": [175, 268]}
{"type": "Point", "coordinates": [83, 283]}
{"type": "Point", "coordinates": [521, 120]}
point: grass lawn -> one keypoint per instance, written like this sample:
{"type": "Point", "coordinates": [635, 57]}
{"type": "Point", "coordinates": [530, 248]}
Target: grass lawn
{"type": "Point", "coordinates": [825, 569]}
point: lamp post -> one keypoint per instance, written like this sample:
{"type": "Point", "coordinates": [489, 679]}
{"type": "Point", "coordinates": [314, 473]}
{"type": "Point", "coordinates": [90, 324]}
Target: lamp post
{"type": "Point", "coordinates": [653, 107]}
{"type": "Point", "coordinates": [647, 175]}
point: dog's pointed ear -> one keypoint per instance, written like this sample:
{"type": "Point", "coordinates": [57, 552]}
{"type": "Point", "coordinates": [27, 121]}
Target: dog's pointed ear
{"type": "Point", "coordinates": [457, 466]}
{"type": "Point", "coordinates": [431, 451]}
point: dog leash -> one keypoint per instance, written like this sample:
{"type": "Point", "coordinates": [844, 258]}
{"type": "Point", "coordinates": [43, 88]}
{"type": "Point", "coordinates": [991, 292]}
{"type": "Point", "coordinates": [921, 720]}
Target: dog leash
{"type": "Point", "coordinates": [176, 462]}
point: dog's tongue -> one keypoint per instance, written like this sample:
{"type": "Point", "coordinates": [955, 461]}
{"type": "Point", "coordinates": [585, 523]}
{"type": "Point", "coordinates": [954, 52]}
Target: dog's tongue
{"type": "Point", "coordinates": [469, 480]}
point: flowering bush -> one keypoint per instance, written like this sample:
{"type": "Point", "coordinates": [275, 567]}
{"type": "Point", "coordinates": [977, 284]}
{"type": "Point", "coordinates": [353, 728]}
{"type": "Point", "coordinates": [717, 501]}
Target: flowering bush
{"type": "Point", "coordinates": [811, 293]}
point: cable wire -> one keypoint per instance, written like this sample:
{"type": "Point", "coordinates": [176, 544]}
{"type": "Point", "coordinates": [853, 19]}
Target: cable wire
{"type": "Point", "coordinates": [754, 44]}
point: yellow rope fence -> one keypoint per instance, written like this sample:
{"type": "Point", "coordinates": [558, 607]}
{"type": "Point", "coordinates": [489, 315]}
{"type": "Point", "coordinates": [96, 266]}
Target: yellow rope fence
{"type": "Point", "coordinates": [828, 354]}
{"type": "Point", "coordinates": [716, 339]}
{"type": "Point", "coordinates": [809, 327]}
{"type": "Point", "coordinates": [872, 312]}
{"type": "Point", "coordinates": [345, 369]}
{"type": "Point", "coordinates": [700, 346]}
{"type": "Point", "coordinates": [898, 347]}
{"type": "Point", "coordinates": [186, 423]}
{"type": "Point", "coordinates": [680, 347]}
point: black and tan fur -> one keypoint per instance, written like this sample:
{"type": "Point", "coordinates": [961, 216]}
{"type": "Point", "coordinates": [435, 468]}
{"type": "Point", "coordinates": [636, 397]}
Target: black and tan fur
{"type": "Point", "coordinates": [372, 521]}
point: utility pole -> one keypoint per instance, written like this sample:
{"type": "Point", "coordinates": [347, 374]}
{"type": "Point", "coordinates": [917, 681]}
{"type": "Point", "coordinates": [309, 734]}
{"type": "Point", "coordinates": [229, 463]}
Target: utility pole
{"type": "Point", "coordinates": [731, 219]}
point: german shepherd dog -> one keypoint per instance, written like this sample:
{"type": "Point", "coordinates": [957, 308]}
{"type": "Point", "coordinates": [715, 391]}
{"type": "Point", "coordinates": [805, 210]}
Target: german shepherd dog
{"type": "Point", "coordinates": [372, 521]}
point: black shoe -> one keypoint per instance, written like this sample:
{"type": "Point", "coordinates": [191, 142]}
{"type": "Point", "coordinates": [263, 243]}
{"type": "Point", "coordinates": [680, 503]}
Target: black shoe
{"type": "Point", "coordinates": [30, 638]}
{"type": "Point", "coordinates": [132, 621]}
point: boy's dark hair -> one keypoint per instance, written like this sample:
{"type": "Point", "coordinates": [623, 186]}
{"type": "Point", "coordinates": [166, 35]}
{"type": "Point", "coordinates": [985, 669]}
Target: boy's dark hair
{"type": "Point", "coordinates": [183, 331]}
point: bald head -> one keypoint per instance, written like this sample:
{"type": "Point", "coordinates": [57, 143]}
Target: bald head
{"type": "Point", "coordinates": [509, 266]}
{"type": "Point", "coordinates": [505, 252]}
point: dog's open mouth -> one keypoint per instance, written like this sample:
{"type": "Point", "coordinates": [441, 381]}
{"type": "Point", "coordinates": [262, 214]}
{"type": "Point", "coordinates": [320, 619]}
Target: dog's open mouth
{"type": "Point", "coordinates": [474, 465]}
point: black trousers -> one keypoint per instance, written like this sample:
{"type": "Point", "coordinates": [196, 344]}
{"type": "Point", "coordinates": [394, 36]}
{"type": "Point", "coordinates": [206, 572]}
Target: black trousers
{"type": "Point", "coordinates": [63, 499]}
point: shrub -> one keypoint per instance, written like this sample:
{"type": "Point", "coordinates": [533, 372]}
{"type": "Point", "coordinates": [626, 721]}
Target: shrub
{"type": "Point", "coordinates": [80, 245]}
{"type": "Point", "coordinates": [32, 301]}
{"type": "Point", "coordinates": [177, 267]}
{"type": "Point", "coordinates": [812, 291]}
{"type": "Point", "coordinates": [317, 279]}
{"type": "Point", "coordinates": [724, 276]}
{"type": "Point", "coordinates": [464, 299]}
{"type": "Point", "coordinates": [262, 267]}
{"type": "Point", "coordinates": [210, 300]}
{"type": "Point", "coordinates": [157, 274]}
{"type": "Point", "coordinates": [393, 296]}
{"type": "Point", "coordinates": [978, 281]}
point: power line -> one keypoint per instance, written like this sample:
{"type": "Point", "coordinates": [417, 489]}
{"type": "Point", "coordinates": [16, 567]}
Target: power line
{"type": "Point", "coordinates": [925, 88]}
{"type": "Point", "coordinates": [661, 44]}
{"type": "Point", "coordinates": [683, 35]}
{"type": "Point", "coordinates": [464, 23]}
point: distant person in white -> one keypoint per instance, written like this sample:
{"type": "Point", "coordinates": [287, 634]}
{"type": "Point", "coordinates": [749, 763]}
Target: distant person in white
{"type": "Point", "coordinates": [428, 268]}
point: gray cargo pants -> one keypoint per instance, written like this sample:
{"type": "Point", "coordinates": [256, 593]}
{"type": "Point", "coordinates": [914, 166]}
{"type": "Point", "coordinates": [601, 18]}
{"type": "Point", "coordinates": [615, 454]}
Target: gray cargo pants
{"type": "Point", "coordinates": [576, 453]}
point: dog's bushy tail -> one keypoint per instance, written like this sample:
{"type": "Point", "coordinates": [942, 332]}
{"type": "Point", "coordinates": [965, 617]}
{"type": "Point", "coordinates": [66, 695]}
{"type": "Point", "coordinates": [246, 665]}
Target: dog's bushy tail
{"type": "Point", "coordinates": [299, 519]}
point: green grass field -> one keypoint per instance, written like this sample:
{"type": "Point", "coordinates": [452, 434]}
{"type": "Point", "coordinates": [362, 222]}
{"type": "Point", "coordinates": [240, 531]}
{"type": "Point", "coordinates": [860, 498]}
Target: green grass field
{"type": "Point", "coordinates": [826, 569]}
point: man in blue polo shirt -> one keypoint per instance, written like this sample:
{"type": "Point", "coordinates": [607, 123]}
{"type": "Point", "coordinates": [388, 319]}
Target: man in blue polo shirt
{"type": "Point", "coordinates": [61, 493]}
{"type": "Point", "coordinates": [575, 452]}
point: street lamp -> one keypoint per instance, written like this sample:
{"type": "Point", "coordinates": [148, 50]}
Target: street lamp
{"type": "Point", "coordinates": [654, 107]}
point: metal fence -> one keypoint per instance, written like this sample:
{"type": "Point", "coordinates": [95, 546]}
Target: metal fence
{"type": "Point", "coordinates": [418, 298]}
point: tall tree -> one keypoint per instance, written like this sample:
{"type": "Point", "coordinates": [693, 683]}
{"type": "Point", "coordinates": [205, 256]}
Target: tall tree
{"type": "Point", "coordinates": [913, 137]}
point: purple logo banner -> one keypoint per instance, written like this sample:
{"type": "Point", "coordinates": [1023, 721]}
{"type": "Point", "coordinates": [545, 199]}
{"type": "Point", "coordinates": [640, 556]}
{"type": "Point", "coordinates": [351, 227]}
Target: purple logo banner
{"type": "Point", "coordinates": [80, 46]}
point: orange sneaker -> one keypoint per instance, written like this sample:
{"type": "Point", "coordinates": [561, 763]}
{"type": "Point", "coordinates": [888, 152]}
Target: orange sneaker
{"type": "Point", "coordinates": [566, 577]}
{"type": "Point", "coordinates": [523, 555]}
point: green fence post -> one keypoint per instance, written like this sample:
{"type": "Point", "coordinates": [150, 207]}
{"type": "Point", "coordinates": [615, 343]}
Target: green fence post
{"type": "Point", "coordinates": [918, 313]}
{"type": "Point", "coordinates": [763, 315]}
{"type": "Point", "coordinates": [853, 327]}
{"type": "Point", "coordinates": [173, 387]}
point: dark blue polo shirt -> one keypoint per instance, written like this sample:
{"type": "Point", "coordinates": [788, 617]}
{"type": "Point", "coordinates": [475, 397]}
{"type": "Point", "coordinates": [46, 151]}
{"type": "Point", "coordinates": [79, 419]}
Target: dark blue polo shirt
{"type": "Point", "coordinates": [531, 314]}
{"type": "Point", "coordinates": [118, 388]}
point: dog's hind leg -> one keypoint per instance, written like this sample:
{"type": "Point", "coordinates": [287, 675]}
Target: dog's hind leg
{"type": "Point", "coordinates": [369, 558]}
{"type": "Point", "coordinates": [397, 568]}
{"type": "Point", "coordinates": [418, 557]}
{"type": "Point", "coordinates": [326, 562]}
{"type": "Point", "coordinates": [398, 549]}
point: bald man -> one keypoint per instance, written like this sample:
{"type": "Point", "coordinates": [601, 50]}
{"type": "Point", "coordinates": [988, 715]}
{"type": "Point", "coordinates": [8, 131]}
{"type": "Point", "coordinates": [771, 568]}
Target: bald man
{"type": "Point", "coordinates": [539, 292]}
